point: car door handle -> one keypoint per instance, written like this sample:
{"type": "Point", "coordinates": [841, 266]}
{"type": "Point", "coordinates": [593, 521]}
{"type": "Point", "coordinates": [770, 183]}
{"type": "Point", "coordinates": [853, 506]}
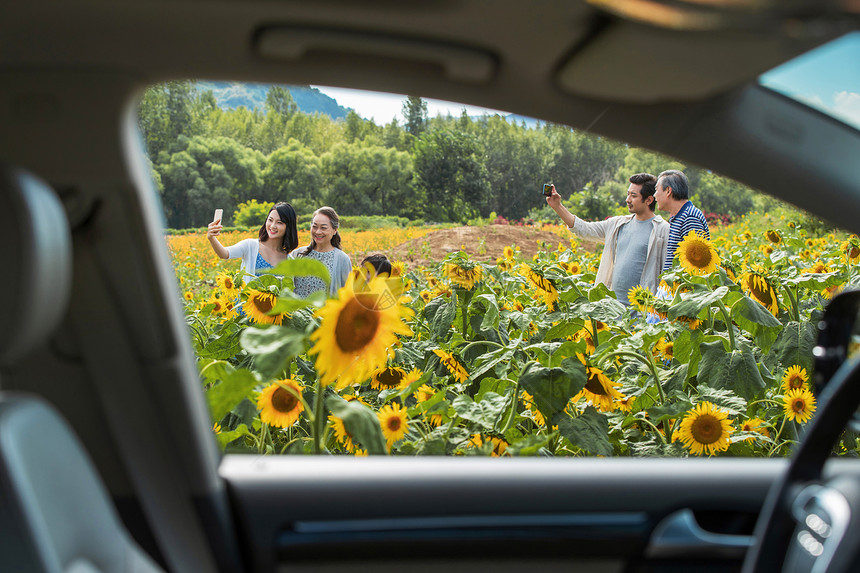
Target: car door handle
{"type": "Point", "coordinates": [680, 535]}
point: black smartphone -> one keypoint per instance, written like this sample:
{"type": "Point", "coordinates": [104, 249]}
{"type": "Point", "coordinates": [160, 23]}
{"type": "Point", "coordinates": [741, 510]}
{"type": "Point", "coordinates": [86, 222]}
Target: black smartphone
{"type": "Point", "coordinates": [547, 189]}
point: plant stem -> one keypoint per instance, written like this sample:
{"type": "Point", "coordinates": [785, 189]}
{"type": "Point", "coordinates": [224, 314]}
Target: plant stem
{"type": "Point", "coordinates": [776, 437]}
{"type": "Point", "coordinates": [729, 326]}
{"type": "Point", "coordinates": [316, 423]}
{"type": "Point", "coordinates": [792, 298]}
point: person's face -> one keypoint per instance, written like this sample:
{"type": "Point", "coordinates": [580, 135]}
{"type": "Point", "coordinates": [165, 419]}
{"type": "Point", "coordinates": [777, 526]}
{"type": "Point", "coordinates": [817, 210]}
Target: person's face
{"type": "Point", "coordinates": [636, 204]}
{"type": "Point", "coordinates": [662, 195]}
{"type": "Point", "coordinates": [274, 226]}
{"type": "Point", "coordinates": [322, 230]}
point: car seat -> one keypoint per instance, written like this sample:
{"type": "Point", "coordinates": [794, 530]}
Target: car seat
{"type": "Point", "coordinates": [55, 512]}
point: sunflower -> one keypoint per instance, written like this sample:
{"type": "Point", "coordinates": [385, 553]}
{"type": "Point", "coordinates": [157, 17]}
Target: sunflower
{"type": "Point", "coordinates": [499, 445]}
{"type": "Point", "coordinates": [218, 306]}
{"type": "Point", "coordinates": [341, 434]}
{"type": "Point", "coordinates": [279, 403]}
{"type": "Point", "coordinates": [851, 249]}
{"type": "Point", "coordinates": [600, 391]}
{"type": "Point", "coordinates": [508, 253]}
{"type": "Point", "coordinates": [390, 377]}
{"type": "Point", "coordinates": [529, 402]}
{"type": "Point", "coordinates": [216, 427]}
{"type": "Point", "coordinates": [641, 299]}
{"type": "Point", "coordinates": [356, 333]}
{"type": "Point", "coordinates": [463, 277]}
{"type": "Point", "coordinates": [424, 393]}
{"type": "Point", "coordinates": [755, 283]}
{"type": "Point", "coordinates": [394, 422]}
{"type": "Point", "coordinates": [398, 268]}
{"type": "Point", "coordinates": [426, 296]}
{"type": "Point", "coordinates": [705, 428]}
{"type": "Point", "coordinates": [574, 268]}
{"type": "Point", "coordinates": [258, 306]}
{"type": "Point", "coordinates": [188, 295]}
{"type": "Point", "coordinates": [756, 425]}
{"type": "Point", "coordinates": [587, 333]}
{"type": "Point", "coordinates": [542, 286]}
{"type": "Point", "coordinates": [794, 378]}
{"type": "Point", "coordinates": [664, 348]}
{"type": "Point", "coordinates": [818, 267]}
{"type": "Point", "coordinates": [504, 264]}
{"type": "Point", "coordinates": [697, 255]}
{"type": "Point", "coordinates": [452, 364]}
{"type": "Point", "coordinates": [799, 405]}
{"type": "Point", "coordinates": [227, 284]}
{"type": "Point", "coordinates": [773, 236]}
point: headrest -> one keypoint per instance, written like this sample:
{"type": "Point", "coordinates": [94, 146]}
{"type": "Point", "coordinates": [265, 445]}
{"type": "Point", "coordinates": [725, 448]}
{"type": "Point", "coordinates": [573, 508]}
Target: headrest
{"type": "Point", "coordinates": [36, 258]}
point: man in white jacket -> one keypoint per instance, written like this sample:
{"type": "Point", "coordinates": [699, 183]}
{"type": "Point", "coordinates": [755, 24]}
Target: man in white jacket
{"type": "Point", "coordinates": [635, 244]}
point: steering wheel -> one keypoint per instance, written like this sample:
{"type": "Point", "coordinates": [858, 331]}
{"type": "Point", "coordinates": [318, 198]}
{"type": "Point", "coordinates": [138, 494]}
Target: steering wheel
{"type": "Point", "coordinates": [808, 523]}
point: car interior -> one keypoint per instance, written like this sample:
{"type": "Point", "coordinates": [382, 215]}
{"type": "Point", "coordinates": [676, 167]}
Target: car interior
{"type": "Point", "coordinates": [107, 458]}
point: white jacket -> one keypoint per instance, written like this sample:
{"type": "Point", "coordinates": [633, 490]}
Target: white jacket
{"type": "Point", "coordinates": [607, 231]}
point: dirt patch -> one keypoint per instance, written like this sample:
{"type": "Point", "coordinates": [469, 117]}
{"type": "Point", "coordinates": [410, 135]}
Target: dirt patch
{"type": "Point", "coordinates": [483, 244]}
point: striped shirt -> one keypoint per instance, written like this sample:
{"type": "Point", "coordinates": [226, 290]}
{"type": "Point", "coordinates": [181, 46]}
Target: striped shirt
{"type": "Point", "coordinates": [689, 218]}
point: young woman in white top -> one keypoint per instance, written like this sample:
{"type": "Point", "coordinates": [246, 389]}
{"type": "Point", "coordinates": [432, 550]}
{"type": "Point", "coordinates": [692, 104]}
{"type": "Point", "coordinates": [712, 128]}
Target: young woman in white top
{"type": "Point", "coordinates": [324, 247]}
{"type": "Point", "coordinates": [277, 238]}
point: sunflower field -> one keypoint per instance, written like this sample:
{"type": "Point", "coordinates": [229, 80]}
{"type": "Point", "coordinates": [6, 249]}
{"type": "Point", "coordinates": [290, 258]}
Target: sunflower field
{"type": "Point", "coordinates": [523, 356]}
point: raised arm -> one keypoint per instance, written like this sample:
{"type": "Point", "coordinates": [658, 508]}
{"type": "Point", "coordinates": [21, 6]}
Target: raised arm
{"type": "Point", "coordinates": [212, 232]}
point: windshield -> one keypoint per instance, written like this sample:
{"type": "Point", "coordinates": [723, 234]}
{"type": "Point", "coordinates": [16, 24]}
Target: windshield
{"type": "Point", "coordinates": [474, 283]}
{"type": "Point", "coordinates": [827, 79]}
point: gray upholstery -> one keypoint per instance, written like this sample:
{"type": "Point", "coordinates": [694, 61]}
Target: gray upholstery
{"type": "Point", "coordinates": [37, 262]}
{"type": "Point", "coordinates": [55, 513]}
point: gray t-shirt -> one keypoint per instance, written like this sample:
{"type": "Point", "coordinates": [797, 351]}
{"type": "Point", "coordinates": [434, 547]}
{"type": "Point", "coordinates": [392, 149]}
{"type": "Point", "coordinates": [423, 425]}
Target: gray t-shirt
{"type": "Point", "coordinates": [631, 250]}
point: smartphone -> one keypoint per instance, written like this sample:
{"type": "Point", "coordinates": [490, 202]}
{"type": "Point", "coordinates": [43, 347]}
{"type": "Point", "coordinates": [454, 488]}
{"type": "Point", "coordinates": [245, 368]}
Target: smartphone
{"type": "Point", "coordinates": [547, 189]}
{"type": "Point", "coordinates": [218, 214]}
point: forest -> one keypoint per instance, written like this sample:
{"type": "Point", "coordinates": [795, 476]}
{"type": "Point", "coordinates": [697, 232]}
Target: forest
{"type": "Point", "coordinates": [440, 169]}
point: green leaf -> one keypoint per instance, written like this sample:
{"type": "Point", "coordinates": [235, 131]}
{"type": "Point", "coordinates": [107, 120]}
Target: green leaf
{"type": "Point", "coordinates": [272, 347]}
{"type": "Point", "coordinates": [552, 388]}
{"type": "Point", "coordinates": [531, 445]}
{"type": "Point", "coordinates": [725, 399]}
{"type": "Point", "coordinates": [234, 386]}
{"type": "Point", "coordinates": [360, 422]}
{"type": "Point", "coordinates": [795, 343]}
{"type": "Point", "coordinates": [486, 412]}
{"type": "Point", "coordinates": [564, 329]}
{"type": "Point", "coordinates": [491, 312]}
{"type": "Point", "coordinates": [589, 431]}
{"type": "Point", "coordinates": [755, 319]}
{"type": "Point", "coordinates": [668, 411]}
{"type": "Point", "coordinates": [289, 302]}
{"type": "Point", "coordinates": [225, 437]}
{"type": "Point", "coordinates": [301, 267]}
{"type": "Point", "coordinates": [440, 314]}
{"type": "Point", "coordinates": [736, 371]}
{"type": "Point", "coordinates": [223, 346]}
{"type": "Point", "coordinates": [501, 355]}
{"type": "Point", "coordinates": [604, 310]}
{"type": "Point", "coordinates": [692, 303]}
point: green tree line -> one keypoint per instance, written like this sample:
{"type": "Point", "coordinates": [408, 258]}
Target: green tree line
{"type": "Point", "coordinates": [442, 169]}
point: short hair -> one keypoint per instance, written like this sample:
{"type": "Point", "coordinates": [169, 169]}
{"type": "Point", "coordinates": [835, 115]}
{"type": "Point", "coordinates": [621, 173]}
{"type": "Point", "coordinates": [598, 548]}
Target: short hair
{"type": "Point", "coordinates": [379, 262]}
{"type": "Point", "coordinates": [677, 181]}
{"type": "Point", "coordinates": [649, 186]}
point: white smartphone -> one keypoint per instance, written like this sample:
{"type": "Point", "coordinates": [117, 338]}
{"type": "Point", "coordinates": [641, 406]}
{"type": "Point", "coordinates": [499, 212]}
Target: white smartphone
{"type": "Point", "coordinates": [218, 214]}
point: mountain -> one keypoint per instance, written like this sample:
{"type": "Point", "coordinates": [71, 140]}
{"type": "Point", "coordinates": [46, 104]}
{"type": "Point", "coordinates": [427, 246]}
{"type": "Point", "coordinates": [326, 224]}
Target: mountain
{"type": "Point", "coordinates": [231, 95]}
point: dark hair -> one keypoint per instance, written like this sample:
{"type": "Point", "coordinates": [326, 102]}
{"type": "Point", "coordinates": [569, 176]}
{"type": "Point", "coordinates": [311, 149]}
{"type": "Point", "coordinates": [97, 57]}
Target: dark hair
{"type": "Point", "coordinates": [677, 181]}
{"type": "Point", "coordinates": [379, 262]}
{"type": "Point", "coordinates": [291, 234]}
{"type": "Point", "coordinates": [335, 223]}
{"type": "Point", "coordinates": [649, 186]}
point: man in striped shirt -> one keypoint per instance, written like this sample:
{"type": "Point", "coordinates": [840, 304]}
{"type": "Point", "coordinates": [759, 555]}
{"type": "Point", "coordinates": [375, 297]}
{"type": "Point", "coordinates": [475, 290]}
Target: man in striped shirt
{"type": "Point", "coordinates": [673, 192]}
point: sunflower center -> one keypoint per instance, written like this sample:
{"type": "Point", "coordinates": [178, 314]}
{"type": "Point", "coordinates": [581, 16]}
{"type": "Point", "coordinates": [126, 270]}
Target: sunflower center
{"type": "Point", "coordinates": [228, 284]}
{"type": "Point", "coordinates": [594, 386]}
{"type": "Point", "coordinates": [389, 377]}
{"type": "Point", "coordinates": [798, 405]}
{"type": "Point", "coordinates": [795, 383]}
{"type": "Point", "coordinates": [283, 400]}
{"type": "Point", "coordinates": [706, 429]}
{"type": "Point", "coordinates": [393, 423]}
{"type": "Point", "coordinates": [357, 323]}
{"type": "Point", "coordinates": [699, 255]}
{"type": "Point", "coordinates": [763, 295]}
{"type": "Point", "coordinates": [262, 303]}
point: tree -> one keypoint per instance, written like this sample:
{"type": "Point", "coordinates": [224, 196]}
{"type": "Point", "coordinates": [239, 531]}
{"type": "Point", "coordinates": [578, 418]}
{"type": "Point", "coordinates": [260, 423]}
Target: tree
{"type": "Point", "coordinates": [415, 115]}
{"type": "Point", "coordinates": [280, 101]}
{"type": "Point", "coordinates": [292, 173]}
{"type": "Point", "coordinates": [451, 174]}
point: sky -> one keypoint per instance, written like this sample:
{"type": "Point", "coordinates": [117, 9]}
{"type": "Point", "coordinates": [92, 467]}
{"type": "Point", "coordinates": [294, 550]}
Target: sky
{"type": "Point", "coordinates": [383, 107]}
{"type": "Point", "coordinates": [827, 78]}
